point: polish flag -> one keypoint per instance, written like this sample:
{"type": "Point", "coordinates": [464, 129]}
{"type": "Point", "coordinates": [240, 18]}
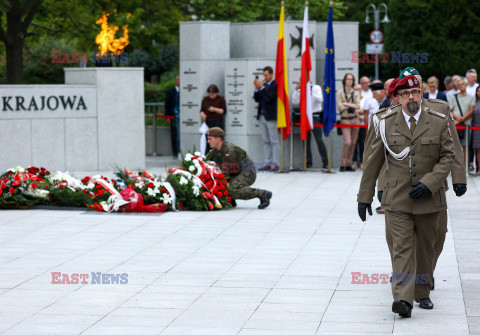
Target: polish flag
{"type": "Point", "coordinates": [306, 114]}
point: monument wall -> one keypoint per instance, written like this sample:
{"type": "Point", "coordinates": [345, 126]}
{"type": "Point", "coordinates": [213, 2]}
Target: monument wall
{"type": "Point", "coordinates": [230, 55]}
{"type": "Point", "coordinates": [92, 123]}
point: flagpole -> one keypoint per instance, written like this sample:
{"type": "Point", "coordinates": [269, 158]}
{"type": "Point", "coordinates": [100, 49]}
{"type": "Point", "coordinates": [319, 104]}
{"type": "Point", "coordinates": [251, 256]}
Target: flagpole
{"type": "Point", "coordinates": [305, 156]}
{"type": "Point", "coordinates": [281, 150]}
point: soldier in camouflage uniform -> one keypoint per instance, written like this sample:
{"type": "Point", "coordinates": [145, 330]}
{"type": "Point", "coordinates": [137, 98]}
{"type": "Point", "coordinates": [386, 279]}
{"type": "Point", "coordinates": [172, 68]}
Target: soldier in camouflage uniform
{"type": "Point", "coordinates": [237, 166]}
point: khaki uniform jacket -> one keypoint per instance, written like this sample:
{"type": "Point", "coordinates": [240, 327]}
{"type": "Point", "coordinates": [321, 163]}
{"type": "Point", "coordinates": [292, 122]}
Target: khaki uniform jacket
{"type": "Point", "coordinates": [431, 157]}
{"type": "Point", "coordinates": [458, 171]}
{"type": "Point", "coordinates": [232, 160]}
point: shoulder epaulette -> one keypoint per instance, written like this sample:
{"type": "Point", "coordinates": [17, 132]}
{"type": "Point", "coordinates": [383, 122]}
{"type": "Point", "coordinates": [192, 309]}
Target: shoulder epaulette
{"type": "Point", "coordinates": [388, 113]}
{"type": "Point", "coordinates": [438, 101]}
{"type": "Point", "coordinates": [437, 113]}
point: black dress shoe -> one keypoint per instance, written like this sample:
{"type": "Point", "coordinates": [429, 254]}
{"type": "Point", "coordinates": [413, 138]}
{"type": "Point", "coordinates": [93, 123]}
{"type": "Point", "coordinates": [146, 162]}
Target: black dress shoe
{"type": "Point", "coordinates": [233, 203]}
{"type": "Point", "coordinates": [433, 284]}
{"type": "Point", "coordinates": [325, 166]}
{"type": "Point", "coordinates": [403, 308]}
{"type": "Point", "coordinates": [342, 168]}
{"type": "Point", "coordinates": [309, 165]}
{"type": "Point", "coordinates": [265, 200]}
{"type": "Point", "coordinates": [424, 303]}
{"type": "Point", "coordinates": [349, 168]}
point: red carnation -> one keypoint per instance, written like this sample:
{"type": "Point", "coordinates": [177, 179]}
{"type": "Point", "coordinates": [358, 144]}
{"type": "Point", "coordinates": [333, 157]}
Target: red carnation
{"type": "Point", "coordinates": [11, 190]}
{"type": "Point", "coordinates": [219, 194]}
{"type": "Point", "coordinates": [0, 191]}
{"type": "Point", "coordinates": [210, 206]}
{"type": "Point", "coordinates": [225, 192]}
{"type": "Point", "coordinates": [229, 199]}
{"type": "Point", "coordinates": [222, 187]}
{"type": "Point", "coordinates": [62, 186]}
{"type": "Point", "coordinates": [84, 191]}
{"type": "Point", "coordinates": [164, 189]}
{"type": "Point", "coordinates": [215, 189]}
{"type": "Point", "coordinates": [3, 186]}
{"type": "Point", "coordinates": [150, 185]}
{"type": "Point", "coordinates": [98, 186]}
{"type": "Point", "coordinates": [16, 183]}
{"type": "Point", "coordinates": [34, 185]}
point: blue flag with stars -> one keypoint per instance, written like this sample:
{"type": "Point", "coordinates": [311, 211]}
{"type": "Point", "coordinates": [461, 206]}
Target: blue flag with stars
{"type": "Point", "coordinates": [330, 107]}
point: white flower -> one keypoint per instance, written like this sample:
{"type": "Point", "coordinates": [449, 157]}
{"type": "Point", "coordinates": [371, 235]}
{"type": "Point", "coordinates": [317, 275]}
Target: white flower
{"type": "Point", "coordinates": [188, 157]}
{"type": "Point", "coordinates": [191, 168]}
{"type": "Point", "coordinates": [167, 199]}
{"type": "Point", "coordinates": [196, 191]}
{"type": "Point", "coordinates": [139, 184]}
{"type": "Point", "coordinates": [183, 180]}
{"type": "Point", "coordinates": [198, 153]}
{"type": "Point", "coordinates": [90, 185]}
{"type": "Point", "coordinates": [97, 176]}
{"type": "Point", "coordinates": [151, 192]}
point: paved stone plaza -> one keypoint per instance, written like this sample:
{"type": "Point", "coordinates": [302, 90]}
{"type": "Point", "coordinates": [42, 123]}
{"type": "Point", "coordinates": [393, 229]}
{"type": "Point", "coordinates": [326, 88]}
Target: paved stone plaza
{"type": "Point", "coordinates": [283, 270]}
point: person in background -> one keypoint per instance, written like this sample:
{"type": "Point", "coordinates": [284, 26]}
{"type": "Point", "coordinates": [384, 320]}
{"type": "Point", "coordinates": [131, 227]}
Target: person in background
{"type": "Point", "coordinates": [213, 109]}
{"type": "Point", "coordinates": [454, 89]}
{"type": "Point", "coordinates": [425, 88]}
{"type": "Point", "coordinates": [366, 92]}
{"type": "Point", "coordinates": [348, 102]}
{"type": "Point", "coordinates": [448, 82]}
{"type": "Point", "coordinates": [463, 104]}
{"type": "Point", "coordinates": [472, 82]}
{"type": "Point", "coordinates": [317, 106]}
{"type": "Point", "coordinates": [386, 101]}
{"type": "Point", "coordinates": [476, 133]}
{"type": "Point", "coordinates": [433, 92]}
{"type": "Point", "coordinates": [172, 108]}
{"type": "Point", "coordinates": [266, 96]}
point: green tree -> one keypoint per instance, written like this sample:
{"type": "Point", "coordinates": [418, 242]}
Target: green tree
{"type": "Point", "coordinates": [447, 30]}
{"type": "Point", "coordinates": [16, 16]}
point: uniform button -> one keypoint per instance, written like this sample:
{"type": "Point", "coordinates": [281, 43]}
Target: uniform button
{"type": "Point", "coordinates": [414, 174]}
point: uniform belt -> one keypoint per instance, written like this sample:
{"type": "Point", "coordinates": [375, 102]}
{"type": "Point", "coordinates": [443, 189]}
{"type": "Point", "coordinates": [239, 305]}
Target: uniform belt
{"type": "Point", "coordinates": [348, 118]}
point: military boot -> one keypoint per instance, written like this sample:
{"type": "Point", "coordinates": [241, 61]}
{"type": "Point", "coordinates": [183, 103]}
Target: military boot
{"type": "Point", "coordinates": [265, 199]}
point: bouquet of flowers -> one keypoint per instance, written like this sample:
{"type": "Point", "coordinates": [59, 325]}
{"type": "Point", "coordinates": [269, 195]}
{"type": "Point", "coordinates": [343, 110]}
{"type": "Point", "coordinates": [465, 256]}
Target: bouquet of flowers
{"type": "Point", "coordinates": [20, 188]}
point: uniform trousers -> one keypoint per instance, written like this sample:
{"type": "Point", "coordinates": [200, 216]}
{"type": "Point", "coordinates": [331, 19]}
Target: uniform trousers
{"type": "Point", "coordinates": [239, 186]}
{"type": "Point", "coordinates": [439, 240]}
{"type": "Point", "coordinates": [412, 252]}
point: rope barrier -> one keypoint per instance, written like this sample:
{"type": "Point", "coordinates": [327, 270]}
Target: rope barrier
{"type": "Point", "coordinates": [165, 116]}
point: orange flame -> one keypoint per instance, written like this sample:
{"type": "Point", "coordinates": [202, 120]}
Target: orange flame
{"type": "Point", "coordinates": [106, 38]}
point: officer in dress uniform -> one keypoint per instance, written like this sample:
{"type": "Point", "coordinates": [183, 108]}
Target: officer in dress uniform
{"type": "Point", "coordinates": [459, 179]}
{"type": "Point", "coordinates": [417, 147]}
{"type": "Point", "coordinates": [237, 166]}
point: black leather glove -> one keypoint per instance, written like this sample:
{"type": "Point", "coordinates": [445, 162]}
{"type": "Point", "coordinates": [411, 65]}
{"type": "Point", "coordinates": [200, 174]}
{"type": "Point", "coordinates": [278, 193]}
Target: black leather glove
{"type": "Point", "coordinates": [419, 191]}
{"type": "Point", "coordinates": [460, 189]}
{"type": "Point", "coordinates": [362, 210]}
{"type": "Point", "coordinates": [379, 196]}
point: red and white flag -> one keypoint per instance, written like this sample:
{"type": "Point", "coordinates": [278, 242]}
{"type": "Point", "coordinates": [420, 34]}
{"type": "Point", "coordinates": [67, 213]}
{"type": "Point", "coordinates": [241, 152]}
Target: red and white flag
{"type": "Point", "coordinates": [306, 114]}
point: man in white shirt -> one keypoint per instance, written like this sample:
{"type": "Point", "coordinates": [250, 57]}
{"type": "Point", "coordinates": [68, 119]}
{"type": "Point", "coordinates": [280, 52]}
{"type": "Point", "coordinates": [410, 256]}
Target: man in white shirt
{"type": "Point", "coordinates": [472, 81]}
{"type": "Point", "coordinates": [366, 92]}
{"type": "Point", "coordinates": [317, 107]}
{"type": "Point", "coordinates": [454, 90]}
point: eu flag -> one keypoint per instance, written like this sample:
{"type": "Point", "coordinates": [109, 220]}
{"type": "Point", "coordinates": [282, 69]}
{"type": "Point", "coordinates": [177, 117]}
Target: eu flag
{"type": "Point", "coordinates": [330, 108]}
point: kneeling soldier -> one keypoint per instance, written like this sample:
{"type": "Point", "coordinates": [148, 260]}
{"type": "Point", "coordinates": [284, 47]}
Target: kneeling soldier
{"type": "Point", "coordinates": [236, 165]}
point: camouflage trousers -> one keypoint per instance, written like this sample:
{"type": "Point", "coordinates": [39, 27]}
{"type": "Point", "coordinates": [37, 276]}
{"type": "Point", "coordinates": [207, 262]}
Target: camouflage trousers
{"type": "Point", "coordinates": [239, 186]}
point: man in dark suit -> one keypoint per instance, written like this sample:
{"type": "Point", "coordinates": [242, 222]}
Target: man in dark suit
{"type": "Point", "coordinates": [433, 92]}
{"type": "Point", "coordinates": [386, 101]}
{"type": "Point", "coordinates": [172, 108]}
{"type": "Point", "coordinates": [266, 96]}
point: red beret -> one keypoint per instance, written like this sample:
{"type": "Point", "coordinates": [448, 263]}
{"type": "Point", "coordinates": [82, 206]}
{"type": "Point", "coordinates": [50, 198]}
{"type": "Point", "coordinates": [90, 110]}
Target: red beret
{"type": "Point", "coordinates": [407, 82]}
{"type": "Point", "coordinates": [391, 88]}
